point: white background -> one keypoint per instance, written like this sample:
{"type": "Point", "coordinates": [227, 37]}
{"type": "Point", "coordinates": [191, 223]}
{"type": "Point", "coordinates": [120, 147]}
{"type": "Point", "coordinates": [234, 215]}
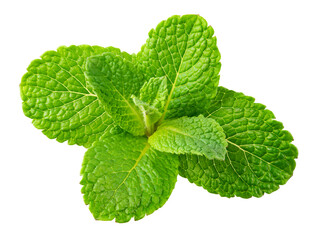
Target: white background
{"type": "Point", "coordinates": [267, 50]}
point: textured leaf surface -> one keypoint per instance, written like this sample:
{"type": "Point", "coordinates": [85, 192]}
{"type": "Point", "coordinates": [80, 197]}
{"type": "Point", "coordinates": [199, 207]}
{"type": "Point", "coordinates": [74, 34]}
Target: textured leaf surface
{"type": "Point", "coordinates": [184, 50]}
{"type": "Point", "coordinates": [57, 97]}
{"type": "Point", "coordinates": [194, 135]}
{"type": "Point", "coordinates": [260, 155]}
{"type": "Point", "coordinates": [115, 79]}
{"type": "Point", "coordinates": [155, 92]}
{"type": "Point", "coordinates": [124, 177]}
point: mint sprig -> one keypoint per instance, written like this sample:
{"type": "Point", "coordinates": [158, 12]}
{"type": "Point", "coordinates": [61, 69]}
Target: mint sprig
{"type": "Point", "coordinates": [148, 117]}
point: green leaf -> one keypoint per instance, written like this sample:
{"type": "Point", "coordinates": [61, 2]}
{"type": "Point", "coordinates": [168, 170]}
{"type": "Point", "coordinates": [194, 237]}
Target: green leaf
{"type": "Point", "coordinates": [115, 79]}
{"type": "Point", "coordinates": [195, 135]}
{"type": "Point", "coordinates": [184, 50]}
{"type": "Point", "coordinates": [260, 155]}
{"type": "Point", "coordinates": [123, 177]}
{"type": "Point", "coordinates": [57, 97]}
{"type": "Point", "coordinates": [155, 92]}
{"type": "Point", "coordinates": [150, 114]}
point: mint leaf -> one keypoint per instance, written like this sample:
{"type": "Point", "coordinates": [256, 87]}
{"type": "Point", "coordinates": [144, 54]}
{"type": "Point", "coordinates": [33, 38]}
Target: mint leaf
{"type": "Point", "coordinates": [184, 50]}
{"type": "Point", "coordinates": [115, 79]}
{"type": "Point", "coordinates": [150, 114]}
{"type": "Point", "coordinates": [153, 95]}
{"type": "Point", "coordinates": [123, 177]}
{"type": "Point", "coordinates": [195, 135]}
{"type": "Point", "coordinates": [260, 155]}
{"type": "Point", "coordinates": [57, 97]}
{"type": "Point", "coordinates": [155, 92]}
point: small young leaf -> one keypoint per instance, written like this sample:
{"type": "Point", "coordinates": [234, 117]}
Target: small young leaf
{"type": "Point", "coordinates": [260, 156]}
{"type": "Point", "coordinates": [124, 177]}
{"type": "Point", "coordinates": [155, 92]}
{"type": "Point", "coordinates": [57, 97]}
{"type": "Point", "coordinates": [184, 50]}
{"type": "Point", "coordinates": [150, 114]}
{"type": "Point", "coordinates": [195, 135]}
{"type": "Point", "coordinates": [115, 79]}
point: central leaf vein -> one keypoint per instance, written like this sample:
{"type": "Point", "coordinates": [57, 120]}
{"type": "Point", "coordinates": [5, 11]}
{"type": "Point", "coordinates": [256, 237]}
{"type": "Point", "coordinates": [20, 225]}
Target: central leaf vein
{"type": "Point", "coordinates": [145, 149]}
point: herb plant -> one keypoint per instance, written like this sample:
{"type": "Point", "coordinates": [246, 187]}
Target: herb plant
{"type": "Point", "coordinates": [147, 117]}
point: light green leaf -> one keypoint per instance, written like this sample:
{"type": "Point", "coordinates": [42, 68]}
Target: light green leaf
{"type": "Point", "coordinates": [155, 92]}
{"type": "Point", "coordinates": [150, 114]}
{"type": "Point", "coordinates": [184, 50]}
{"type": "Point", "coordinates": [115, 79]}
{"type": "Point", "coordinates": [260, 155]}
{"type": "Point", "coordinates": [195, 135]}
{"type": "Point", "coordinates": [57, 97]}
{"type": "Point", "coordinates": [124, 177]}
